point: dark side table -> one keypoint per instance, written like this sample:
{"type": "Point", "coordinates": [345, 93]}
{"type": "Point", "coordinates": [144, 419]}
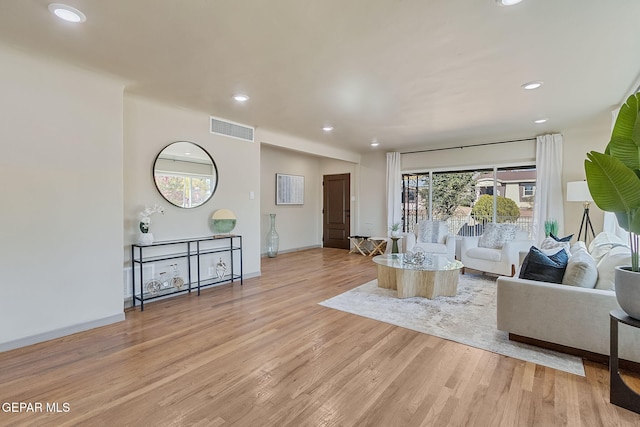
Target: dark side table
{"type": "Point", "coordinates": [619, 392]}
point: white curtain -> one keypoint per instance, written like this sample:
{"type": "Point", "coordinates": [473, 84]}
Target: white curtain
{"type": "Point", "coordinates": [610, 224]}
{"type": "Point", "coordinates": [549, 201]}
{"type": "Point", "coordinates": [394, 189]}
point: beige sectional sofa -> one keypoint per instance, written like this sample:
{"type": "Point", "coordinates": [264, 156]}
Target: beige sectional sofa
{"type": "Point", "coordinates": [568, 318]}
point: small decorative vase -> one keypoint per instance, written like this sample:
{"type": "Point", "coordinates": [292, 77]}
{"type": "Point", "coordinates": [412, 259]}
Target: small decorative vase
{"type": "Point", "coordinates": [221, 269]}
{"type": "Point", "coordinates": [145, 238]}
{"type": "Point", "coordinates": [627, 285]}
{"type": "Point", "coordinates": [272, 238]}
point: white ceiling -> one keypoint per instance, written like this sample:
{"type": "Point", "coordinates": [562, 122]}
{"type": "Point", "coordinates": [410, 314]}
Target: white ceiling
{"type": "Point", "coordinates": [411, 73]}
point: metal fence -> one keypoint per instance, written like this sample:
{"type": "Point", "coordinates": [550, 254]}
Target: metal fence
{"type": "Point", "coordinates": [465, 225]}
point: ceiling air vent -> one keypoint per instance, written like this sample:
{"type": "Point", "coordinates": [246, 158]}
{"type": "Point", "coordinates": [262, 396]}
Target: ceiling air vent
{"type": "Point", "coordinates": [234, 130]}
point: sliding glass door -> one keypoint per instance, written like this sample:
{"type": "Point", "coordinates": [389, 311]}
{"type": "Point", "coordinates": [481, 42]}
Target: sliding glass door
{"type": "Point", "coordinates": [466, 200]}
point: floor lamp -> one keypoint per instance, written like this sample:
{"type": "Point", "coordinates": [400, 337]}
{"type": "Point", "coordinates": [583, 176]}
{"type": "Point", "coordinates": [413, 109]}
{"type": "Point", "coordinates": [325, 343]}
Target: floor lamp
{"type": "Point", "coordinates": [578, 191]}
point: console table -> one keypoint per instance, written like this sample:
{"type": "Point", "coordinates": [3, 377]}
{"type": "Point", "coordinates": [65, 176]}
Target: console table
{"type": "Point", "coordinates": [620, 393]}
{"type": "Point", "coordinates": [190, 250]}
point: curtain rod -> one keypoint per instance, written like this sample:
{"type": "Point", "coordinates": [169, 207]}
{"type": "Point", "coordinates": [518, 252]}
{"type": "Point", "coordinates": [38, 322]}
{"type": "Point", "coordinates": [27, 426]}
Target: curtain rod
{"type": "Point", "coordinates": [468, 146]}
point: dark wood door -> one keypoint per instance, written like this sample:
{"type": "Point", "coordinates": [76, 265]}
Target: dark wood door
{"type": "Point", "coordinates": [336, 211]}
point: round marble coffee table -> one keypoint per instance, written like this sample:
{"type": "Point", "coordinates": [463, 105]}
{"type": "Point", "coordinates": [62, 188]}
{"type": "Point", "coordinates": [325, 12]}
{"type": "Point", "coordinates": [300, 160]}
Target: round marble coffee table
{"type": "Point", "coordinates": [437, 276]}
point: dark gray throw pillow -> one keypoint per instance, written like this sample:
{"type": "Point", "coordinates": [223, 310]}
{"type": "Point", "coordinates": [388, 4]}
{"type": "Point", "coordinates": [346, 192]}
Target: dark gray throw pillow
{"type": "Point", "coordinates": [561, 239]}
{"type": "Point", "coordinates": [544, 268]}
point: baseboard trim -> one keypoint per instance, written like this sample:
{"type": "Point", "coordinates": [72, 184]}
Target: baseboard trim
{"type": "Point", "coordinates": [584, 354]}
{"type": "Point", "coordinates": [62, 332]}
{"type": "Point", "coordinates": [304, 248]}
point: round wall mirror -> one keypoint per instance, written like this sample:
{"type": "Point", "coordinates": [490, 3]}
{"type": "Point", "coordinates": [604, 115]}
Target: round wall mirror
{"type": "Point", "coordinates": [185, 174]}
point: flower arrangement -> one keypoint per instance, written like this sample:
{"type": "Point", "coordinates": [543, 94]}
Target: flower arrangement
{"type": "Point", "coordinates": [395, 228]}
{"type": "Point", "coordinates": [145, 216]}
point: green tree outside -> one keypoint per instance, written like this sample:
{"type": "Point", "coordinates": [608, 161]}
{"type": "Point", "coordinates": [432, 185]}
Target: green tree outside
{"type": "Point", "coordinates": [507, 209]}
{"type": "Point", "coordinates": [450, 190]}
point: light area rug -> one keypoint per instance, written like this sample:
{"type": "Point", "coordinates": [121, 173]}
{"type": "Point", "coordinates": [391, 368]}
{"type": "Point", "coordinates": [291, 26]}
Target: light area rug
{"type": "Point", "coordinates": [468, 318]}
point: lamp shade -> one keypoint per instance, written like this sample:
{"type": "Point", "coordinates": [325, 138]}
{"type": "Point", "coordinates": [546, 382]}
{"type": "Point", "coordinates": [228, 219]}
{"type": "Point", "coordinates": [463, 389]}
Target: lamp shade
{"type": "Point", "coordinates": [578, 191]}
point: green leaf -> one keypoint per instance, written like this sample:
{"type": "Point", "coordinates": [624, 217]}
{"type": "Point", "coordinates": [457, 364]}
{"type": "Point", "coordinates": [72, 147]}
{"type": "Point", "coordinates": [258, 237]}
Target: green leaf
{"type": "Point", "coordinates": [613, 186]}
{"type": "Point", "coordinates": [625, 137]}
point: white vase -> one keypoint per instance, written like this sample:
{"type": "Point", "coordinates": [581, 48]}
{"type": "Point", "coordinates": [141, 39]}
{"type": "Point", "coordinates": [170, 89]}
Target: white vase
{"type": "Point", "coordinates": [145, 238]}
{"type": "Point", "coordinates": [627, 285]}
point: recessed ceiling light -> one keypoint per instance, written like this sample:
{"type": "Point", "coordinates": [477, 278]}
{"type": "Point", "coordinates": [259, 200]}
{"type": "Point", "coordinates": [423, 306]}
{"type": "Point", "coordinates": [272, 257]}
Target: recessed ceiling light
{"type": "Point", "coordinates": [241, 97]}
{"type": "Point", "coordinates": [374, 142]}
{"type": "Point", "coordinates": [532, 85]}
{"type": "Point", "coordinates": [327, 128]}
{"type": "Point", "coordinates": [540, 121]}
{"type": "Point", "coordinates": [67, 13]}
{"type": "Point", "coordinates": [507, 2]}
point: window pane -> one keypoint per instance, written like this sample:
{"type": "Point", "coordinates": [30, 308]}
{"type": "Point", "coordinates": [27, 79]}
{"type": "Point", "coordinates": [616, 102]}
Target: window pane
{"type": "Point", "coordinates": [452, 199]}
{"type": "Point", "coordinates": [172, 187]}
{"type": "Point", "coordinates": [184, 190]}
{"type": "Point", "coordinates": [465, 200]}
{"type": "Point", "coordinates": [519, 191]}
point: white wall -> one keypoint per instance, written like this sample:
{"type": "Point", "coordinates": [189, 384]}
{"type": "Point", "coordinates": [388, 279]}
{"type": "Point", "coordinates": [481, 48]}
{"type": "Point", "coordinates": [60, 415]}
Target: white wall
{"type": "Point", "coordinates": [523, 152]}
{"type": "Point", "coordinates": [298, 226]}
{"type": "Point", "coordinates": [149, 127]}
{"type": "Point", "coordinates": [306, 146]}
{"type": "Point", "coordinates": [593, 134]}
{"type": "Point", "coordinates": [61, 169]}
{"type": "Point", "coordinates": [372, 194]}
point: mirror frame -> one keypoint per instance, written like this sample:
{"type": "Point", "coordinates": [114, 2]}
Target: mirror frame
{"type": "Point", "coordinates": [215, 170]}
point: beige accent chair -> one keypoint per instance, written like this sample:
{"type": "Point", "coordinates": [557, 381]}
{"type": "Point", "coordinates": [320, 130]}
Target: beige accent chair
{"type": "Point", "coordinates": [432, 237]}
{"type": "Point", "coordinates": [497, 251]}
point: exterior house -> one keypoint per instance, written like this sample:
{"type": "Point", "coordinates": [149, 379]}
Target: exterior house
{"type": "Point", "coordinates": [517, 185]}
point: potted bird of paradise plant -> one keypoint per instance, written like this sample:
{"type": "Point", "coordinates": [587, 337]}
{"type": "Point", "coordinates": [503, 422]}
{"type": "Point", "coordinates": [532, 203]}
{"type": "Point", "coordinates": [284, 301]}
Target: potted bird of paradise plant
{"type": "Point", "coordinates": [613, 178]}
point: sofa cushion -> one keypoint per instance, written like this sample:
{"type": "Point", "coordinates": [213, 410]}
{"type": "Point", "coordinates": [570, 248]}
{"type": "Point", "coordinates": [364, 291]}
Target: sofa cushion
{"type": "Point", "coordinates": [581, 270]}
{"type": "Point", "coordinates": [544, 268]}
{"type": "Point", "coordinates": [487, 254]}
{"type": "Point", "coordinates": [618, 256]}
{"type": "Point", "coordinates": [496, 235]}
{"type": "Point", "coordinates": [432, 231]}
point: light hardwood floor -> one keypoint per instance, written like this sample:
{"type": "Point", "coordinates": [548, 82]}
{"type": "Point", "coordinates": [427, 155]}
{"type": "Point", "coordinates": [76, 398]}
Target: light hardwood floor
{"type": "Point", "coordinates": [266, 354]}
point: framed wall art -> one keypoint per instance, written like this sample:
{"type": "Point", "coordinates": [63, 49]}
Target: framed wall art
{"type": "Point", "coordinates": [289, 189]}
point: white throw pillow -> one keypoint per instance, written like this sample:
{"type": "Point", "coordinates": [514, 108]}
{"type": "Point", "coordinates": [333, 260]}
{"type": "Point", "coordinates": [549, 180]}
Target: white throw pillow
{"type": "Point", "coordinates": [618, 256]}
{"type": "Point", "coordinates": [553, 246]}
{"type": "Point", "coordinates": [603, 243]}
{"type": "Point", "coordinates": [579, 245]}
{"type": "Point", "coordinates": [581, 270]}
{"type": "Point", "coordinates": [496, 235]}
{"type": "Point", "coordinates": [432, 231]}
